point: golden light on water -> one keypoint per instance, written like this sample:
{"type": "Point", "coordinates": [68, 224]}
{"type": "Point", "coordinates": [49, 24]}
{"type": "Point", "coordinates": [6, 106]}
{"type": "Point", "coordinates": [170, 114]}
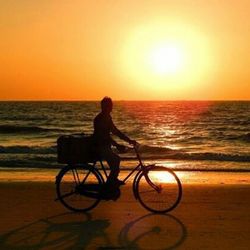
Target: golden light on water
{"type": "Point", "coordinates": [167, 55]}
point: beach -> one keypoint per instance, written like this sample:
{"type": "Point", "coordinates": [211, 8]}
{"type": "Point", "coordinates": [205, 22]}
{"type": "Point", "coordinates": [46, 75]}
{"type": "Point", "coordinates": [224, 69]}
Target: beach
{"type": "Point", "coordinates": [213, 214]}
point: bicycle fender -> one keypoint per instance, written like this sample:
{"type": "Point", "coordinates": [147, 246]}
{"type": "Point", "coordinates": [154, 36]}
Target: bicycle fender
{"type": "Point", "coordinates": [61, 172]}
{"type": "Point", "coordinates": [135, 182]}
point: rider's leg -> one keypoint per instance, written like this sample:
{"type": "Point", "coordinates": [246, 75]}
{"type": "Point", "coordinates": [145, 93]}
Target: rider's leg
{"type": "Point", "coordinates": [113, 161]}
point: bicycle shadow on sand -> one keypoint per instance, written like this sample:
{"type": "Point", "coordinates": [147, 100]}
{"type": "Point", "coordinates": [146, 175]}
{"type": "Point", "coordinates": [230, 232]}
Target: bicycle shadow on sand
{"type": "Point", "coordinates": [80, 231]}
{"type": "Point", "coordinates": [153, 231]}
{"type": "Point", "coordinates": [63, 231]}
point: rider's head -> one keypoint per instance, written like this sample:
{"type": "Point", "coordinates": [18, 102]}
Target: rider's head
{"type": "Point", "coordinates": [106, 104]}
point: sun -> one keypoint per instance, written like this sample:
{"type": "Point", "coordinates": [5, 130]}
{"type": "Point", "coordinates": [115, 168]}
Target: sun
{"type": "Point", "coordinates": [166, 59]}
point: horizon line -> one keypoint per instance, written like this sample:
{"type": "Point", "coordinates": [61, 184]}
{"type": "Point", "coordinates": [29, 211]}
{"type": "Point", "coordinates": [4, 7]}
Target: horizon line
{"type": "Point", "coordinates": [96, 100]}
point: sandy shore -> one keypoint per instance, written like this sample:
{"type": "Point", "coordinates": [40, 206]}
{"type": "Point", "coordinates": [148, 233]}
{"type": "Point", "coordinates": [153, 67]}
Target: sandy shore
{"type": "Point", "coordinates": [210, 216]}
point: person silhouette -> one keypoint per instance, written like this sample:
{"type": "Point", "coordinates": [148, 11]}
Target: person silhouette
{"type": "Point", "coordinates": [103, 128]}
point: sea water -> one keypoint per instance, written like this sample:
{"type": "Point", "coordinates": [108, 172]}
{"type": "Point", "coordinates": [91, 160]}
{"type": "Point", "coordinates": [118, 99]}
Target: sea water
{"type": "Point", "coordinates": [209, 135]}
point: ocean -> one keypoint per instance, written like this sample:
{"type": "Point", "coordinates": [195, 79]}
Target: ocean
{"type": "Point", "coordinates": [189, 135]}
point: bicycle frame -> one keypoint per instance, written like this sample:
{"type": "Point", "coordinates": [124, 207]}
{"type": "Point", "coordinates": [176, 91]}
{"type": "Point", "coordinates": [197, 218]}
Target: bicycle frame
{"type": "Point", "coordinates": [140, 166]}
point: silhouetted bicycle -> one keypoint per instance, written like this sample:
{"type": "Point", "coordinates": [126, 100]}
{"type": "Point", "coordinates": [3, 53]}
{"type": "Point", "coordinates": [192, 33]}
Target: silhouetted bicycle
{"type": "Point", "coordinates": [80, 187]}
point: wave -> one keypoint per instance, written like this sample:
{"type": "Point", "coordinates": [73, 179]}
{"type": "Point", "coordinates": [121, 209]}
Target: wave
{"type": "Point", "coordinates": [147, 152]}
{"type": "Point", "coordinates": [36, 162]}
{"type": "Point", "coordinates": [27, 150]}
{"type": "Point", "coordinates": [218, 136]}
{"type": "Point", "coordinates": [244, 137]}
{"type": "Point", "coordinates": [10, 129]}
{"type": "Point", "coordinates": [210, 157]}
{"type": "Point", "coordinates": [154, 153]}
{"type": "Point", "coordinates": [45, 161]}
{"type": "Point", "coordinates": [196, 156]}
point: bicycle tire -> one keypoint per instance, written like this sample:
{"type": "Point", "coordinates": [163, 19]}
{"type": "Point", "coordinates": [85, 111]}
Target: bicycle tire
{"type": "Point", "coordinates": [166, 181]}
{"type": "Point", "coordinates": [84, 199]}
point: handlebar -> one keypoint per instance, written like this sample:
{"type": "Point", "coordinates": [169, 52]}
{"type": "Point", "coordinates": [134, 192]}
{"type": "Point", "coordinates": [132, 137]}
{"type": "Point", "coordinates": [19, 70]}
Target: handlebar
{"type": "Point", "coordinates": [134, 147]}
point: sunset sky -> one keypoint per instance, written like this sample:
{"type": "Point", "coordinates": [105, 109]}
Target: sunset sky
{"type": "Point", "coordinates": [84, 50]}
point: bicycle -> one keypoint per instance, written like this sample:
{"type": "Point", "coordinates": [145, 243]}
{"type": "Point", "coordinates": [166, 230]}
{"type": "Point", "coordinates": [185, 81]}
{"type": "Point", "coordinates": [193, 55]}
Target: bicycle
{"type": "Point", "coordinates": [79, 186]}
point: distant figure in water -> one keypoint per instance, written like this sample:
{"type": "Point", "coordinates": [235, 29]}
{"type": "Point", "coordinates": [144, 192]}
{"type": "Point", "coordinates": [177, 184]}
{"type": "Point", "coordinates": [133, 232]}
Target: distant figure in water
{"type": "Point", "coordinates": [103, 127]}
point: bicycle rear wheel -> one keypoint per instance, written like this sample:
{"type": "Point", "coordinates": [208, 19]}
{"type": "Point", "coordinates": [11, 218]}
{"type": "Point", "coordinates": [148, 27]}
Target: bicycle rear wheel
{"type": "Point", "coordinates": [158, 189]}
{"type": "Point", "coordinates": [78, 187]}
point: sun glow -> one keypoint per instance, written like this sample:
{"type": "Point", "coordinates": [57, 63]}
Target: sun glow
{"type": "Point", "coordinates": [166, 59]}
{"type": "Point", "coordinates": [167, 56]}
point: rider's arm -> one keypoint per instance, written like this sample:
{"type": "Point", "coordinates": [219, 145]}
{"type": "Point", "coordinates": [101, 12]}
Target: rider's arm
{"type": "Point", "coordinates": [117, 132]}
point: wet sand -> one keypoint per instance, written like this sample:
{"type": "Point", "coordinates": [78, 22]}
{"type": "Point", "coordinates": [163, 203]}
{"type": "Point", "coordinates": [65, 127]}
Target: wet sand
{"type": "Point", "coordinates": [212, 215]}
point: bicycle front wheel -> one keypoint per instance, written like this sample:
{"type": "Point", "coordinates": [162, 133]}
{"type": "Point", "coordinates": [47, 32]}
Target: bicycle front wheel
{"type": "Point", "coordinates": [78, 187]}
{"type": "Point", "coordinates": [158, 189]}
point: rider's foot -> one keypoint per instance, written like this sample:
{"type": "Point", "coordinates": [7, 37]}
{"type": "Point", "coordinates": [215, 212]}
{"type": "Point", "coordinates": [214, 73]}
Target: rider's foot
{"type": "Point", "coordinates": [115, 182]}
{"type": "Point", "coordinates": [119, 182]}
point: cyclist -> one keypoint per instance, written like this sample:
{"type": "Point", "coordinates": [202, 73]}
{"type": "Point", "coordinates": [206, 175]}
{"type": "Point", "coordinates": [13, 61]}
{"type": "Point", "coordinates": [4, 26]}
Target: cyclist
{"type": "Point", "coordinates": [103, 128]}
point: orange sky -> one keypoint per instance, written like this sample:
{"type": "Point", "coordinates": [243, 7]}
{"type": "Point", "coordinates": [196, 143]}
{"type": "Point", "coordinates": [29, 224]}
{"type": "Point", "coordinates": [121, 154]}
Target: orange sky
{"type": "Point", "coordinates": [84, 50]}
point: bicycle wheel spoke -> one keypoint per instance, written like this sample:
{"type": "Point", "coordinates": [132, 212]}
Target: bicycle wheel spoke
{"type": "Point", "coordinates": [74, 175]}
{"type": "Point", "coordinates": [159, 190]}
{"type": "Point", "coordinates": [85, 178]}
{"type": "Point", "coordinates": [68, 194]}
{"type": "Point", "coordinates": [78, 188]}
{"type": "Point", "coordinates": [149, 191]}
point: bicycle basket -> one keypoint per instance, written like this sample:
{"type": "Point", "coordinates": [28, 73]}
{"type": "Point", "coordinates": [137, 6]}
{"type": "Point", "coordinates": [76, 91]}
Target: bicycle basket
{"type": "Point", "coordinates": [75, 149]}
